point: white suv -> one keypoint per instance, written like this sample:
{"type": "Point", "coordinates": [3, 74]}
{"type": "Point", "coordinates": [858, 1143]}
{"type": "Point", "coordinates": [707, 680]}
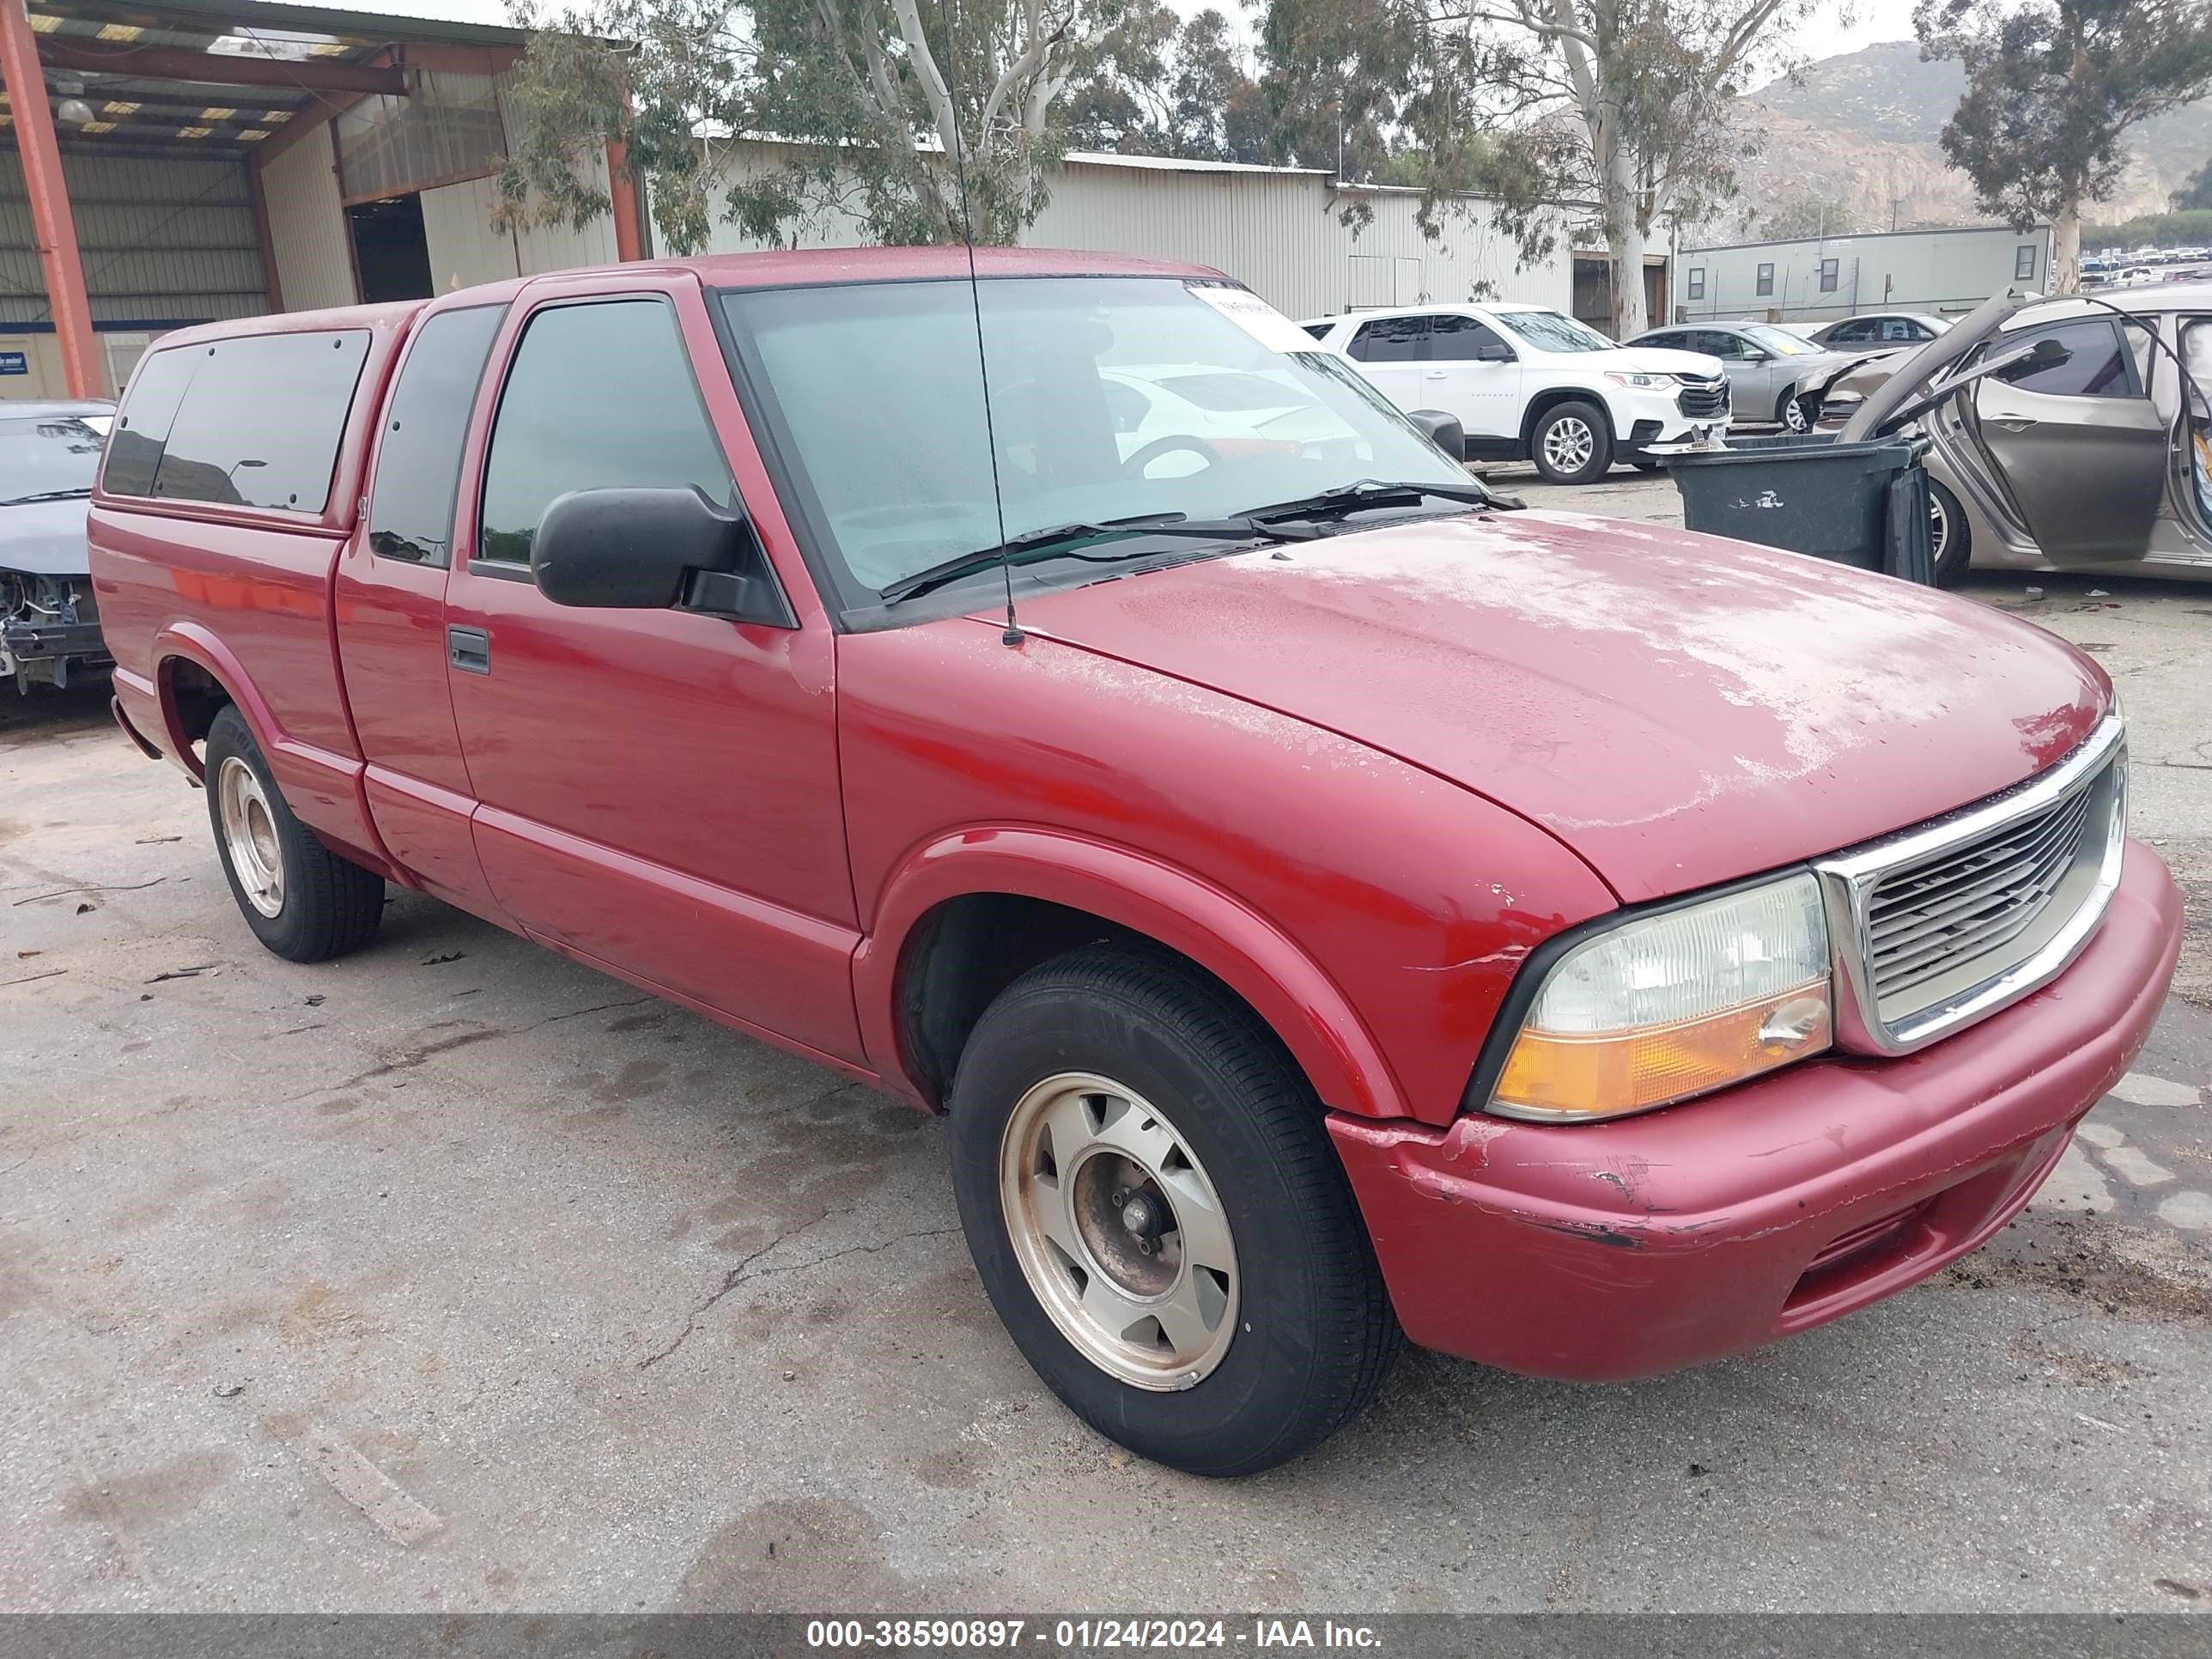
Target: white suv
{"type": "Point", "coordinates": [1528, 383]}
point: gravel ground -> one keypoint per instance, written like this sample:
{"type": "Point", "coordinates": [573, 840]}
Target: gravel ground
{"type": "Point", "coordinates": [454, 1276]}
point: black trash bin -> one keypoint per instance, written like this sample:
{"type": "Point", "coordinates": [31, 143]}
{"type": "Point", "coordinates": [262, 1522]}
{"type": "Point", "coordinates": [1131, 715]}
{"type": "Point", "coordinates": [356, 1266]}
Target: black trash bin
{"type": "Point", "coordinates": [1862, 504]}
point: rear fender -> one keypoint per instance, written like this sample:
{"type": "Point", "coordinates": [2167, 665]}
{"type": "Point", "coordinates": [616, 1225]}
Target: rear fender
{"type": "Point", "coordinates": [323, 789]}
{"type": "Point", "coordinates": [1184, 912]}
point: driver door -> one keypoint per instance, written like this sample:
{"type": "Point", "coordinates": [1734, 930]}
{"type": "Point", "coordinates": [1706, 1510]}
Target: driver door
{"type": "Point", "coordinates": [657, 790]}
{"type": "Point", "coordinates": [2078, 445]}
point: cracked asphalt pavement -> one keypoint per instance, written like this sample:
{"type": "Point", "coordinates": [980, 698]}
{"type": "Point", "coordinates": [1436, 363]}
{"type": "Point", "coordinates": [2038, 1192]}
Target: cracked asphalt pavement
{"type": "Point", "coordinates": [454, 1276]}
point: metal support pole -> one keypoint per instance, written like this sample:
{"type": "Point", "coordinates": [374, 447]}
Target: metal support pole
{"type": "Point", "coordinates": [53, 224]}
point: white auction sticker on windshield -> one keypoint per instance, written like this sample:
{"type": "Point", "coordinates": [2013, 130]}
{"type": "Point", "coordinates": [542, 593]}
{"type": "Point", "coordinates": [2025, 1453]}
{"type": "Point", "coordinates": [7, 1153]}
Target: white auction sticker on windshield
{"type": "Point", "coordinates": [1255, 317]}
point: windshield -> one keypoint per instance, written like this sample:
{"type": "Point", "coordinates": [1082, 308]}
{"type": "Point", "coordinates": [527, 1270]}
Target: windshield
{"type": "Point", "coordinates": [1781, 341]}
{"type": "Point", "coordinates": [1553, 330]}
{"type": "Point", "coordinates": [1109, 397]}
{"type": "Point", "coordinates": [57, 455]}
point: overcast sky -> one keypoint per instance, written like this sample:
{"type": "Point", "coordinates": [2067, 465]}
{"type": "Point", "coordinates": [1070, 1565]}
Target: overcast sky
{"type": "Point", "coordinates": [1824, 37]}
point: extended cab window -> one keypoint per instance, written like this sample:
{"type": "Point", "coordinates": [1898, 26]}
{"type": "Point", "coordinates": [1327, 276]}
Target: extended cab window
{"type": "Point", "coordinates": [260, 421]}
{"type": "Point", "coordinates": [599, 397]}
{"type": "Point", "coordinates": [418, 469]}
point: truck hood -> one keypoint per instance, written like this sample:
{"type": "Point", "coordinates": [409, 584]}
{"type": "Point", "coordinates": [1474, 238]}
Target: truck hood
{"type": "Point", "coordinates": [46, 539]}
{"type": "Point", "coordinates": [1679, 709]}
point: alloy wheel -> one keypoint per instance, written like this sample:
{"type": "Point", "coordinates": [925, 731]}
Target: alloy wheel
{"type": "Point", "coordinates": [1119, 1231]}
{"type": "Point", "coordinates": [249, 836]}
{"type": "Point", "coordinates": [1569, 443]}
{"type": "Point", "coordinates": [1792, 415]}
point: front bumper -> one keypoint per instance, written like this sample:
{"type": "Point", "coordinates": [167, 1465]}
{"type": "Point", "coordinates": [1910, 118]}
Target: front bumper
{"type": "Point", "coordinates": [1648, 418]}
{"type": "Point", "coordinates": [1597, 1252]}
{"type": "Point", "coordinates": [44, 651]}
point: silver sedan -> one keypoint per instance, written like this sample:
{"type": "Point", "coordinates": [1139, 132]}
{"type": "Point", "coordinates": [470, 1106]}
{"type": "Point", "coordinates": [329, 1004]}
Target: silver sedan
{"type": "Point", "coordinates": [1769, 370]}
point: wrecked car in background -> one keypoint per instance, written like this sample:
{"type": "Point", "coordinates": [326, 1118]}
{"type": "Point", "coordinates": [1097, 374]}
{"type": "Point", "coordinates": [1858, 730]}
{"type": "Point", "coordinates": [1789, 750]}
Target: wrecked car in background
{"type": "Point", "coordinates": [2067, 461]}
{"type": "Point", "coordinates": [49, 456]}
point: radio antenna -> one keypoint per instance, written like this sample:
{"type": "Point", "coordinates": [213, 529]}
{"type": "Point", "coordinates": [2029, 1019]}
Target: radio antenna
{"type": "Point", "coordinates": [1014, 634]}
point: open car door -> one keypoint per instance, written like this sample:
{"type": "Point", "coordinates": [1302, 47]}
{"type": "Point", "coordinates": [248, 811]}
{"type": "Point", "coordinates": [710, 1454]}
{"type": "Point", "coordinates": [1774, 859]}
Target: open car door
{"type": "Point", "coordinates": [2079, 445]}
{"type": "Point", "coordinates": [2069, 445]}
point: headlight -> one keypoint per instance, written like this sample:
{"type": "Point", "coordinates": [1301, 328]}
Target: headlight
{"type": "Point", "coordinates": [1662, 1007]}
{"type": "Point", "coordinates": [1639, 379]}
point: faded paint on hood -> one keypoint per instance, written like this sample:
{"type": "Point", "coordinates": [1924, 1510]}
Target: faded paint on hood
{"type": "Point", "coordinates": [1679, 709]}
{"type": "Point", "coordinates": [46, 539]}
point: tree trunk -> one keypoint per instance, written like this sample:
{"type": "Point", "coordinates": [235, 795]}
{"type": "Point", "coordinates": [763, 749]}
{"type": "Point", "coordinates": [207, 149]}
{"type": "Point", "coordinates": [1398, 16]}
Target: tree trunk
{"type": "Point", "coordinates": [1624, 240]}
{"type": "Point", "coordinates": [2066, 246]}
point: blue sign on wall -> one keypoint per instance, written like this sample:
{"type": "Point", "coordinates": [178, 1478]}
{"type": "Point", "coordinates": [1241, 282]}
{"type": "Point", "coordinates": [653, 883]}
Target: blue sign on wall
{"type": "Point", "coordinates": [14, 362]}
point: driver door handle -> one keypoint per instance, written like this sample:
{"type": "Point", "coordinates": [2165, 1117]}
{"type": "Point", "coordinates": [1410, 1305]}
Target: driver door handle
{"type": "Point", "coordinates": [469, 649]}
{"type": "Point", "coordinates": [2014, 422]}
{"type": "Point", "coordinates": [1434, 374]}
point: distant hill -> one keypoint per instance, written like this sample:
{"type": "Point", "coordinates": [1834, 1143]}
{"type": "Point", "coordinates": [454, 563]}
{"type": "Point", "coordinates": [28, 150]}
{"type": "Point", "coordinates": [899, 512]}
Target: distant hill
{"type": "Point", "coordinates": [1860, 130]}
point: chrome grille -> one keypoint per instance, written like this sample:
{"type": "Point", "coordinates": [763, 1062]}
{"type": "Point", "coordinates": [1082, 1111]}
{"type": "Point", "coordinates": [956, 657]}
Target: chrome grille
{"type": "Point", "coordinates": [1977, 900]}
{"type": "Point", "coordinates": [1944, 924]}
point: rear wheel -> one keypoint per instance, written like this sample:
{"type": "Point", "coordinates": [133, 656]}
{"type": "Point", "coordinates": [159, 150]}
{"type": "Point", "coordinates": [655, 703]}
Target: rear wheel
{"type": "Point", "coordinates": [1572, 443]}
{"type": "Point", "coordinates": [301, 900]}
{"type": "Point", "coordinates": [1158, 1218]}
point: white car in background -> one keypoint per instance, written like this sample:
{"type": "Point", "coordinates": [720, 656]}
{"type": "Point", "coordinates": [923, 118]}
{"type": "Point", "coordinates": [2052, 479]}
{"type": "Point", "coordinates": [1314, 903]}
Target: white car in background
{"type": "Point", "coordinates": [1528, 383]}
{"type": "Point", "coordinates": [1183, 416]}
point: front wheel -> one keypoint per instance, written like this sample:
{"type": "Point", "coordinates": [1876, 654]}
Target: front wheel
{"type": "Point", "coordinates": [1572, 444]}
{"type": "Point", "coordinates": [1158, 1218]}
{"type": "Point", "coordinates": [301, 900]}
{"type": "Point", "coordinates": [1793, 414]}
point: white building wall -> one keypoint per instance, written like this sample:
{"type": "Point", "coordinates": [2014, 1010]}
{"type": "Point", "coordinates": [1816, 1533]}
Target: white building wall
{"type": "Point", "coordinates": [1946, 271]}
{"type": "Point", "coordinates": [465, 250]}
{"type": "Point", "coordinates": [1278, 231]}
{"type": "Point", "coordinates": [306, 225]}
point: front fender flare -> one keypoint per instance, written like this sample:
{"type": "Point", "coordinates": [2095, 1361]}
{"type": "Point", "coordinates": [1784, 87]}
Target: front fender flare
{"type": "Point", "coordinates": [1185, 912]}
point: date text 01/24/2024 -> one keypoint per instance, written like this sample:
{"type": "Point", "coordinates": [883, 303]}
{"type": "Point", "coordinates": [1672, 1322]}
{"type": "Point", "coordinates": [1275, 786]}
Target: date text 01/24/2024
{"type": "Point", "coordinates": [1085, 1635]}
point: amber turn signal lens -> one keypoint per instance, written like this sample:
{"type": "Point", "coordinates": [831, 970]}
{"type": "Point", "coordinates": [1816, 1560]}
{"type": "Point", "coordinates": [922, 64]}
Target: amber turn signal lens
{"type": "Point", "coordinates": [1590, 1077]}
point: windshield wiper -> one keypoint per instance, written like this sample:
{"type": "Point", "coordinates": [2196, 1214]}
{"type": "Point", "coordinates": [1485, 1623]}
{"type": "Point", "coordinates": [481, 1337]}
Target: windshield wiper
{"type": "Point", "coordinates": [1033, 545]}
{"type": "Point", "coordinates": [1368, 493]}
{"type": "Point", "coordinates": [46, 495]}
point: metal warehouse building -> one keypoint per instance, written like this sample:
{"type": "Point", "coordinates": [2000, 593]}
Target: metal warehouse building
{"type": "Point", "coordinates": [188, 160]}
{"type": "Point", "coordinates": [1947, 272]}
{"type": "Point", "coordinates": [1295, 236]}
{"type": "Point", "coordinates": [183, 160]}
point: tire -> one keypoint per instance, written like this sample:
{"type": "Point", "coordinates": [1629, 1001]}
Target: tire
{"type": "Point", "coordinates": [1129, 1050]}
{"type": "Point", "coordinates": [302, 901]}
{"type": "Point", "coordinates": [1955, 536]}
{"type": "Point", "coordinates": [1792, 415]}
{"type": "Point", "coordinates": [1572, 443]}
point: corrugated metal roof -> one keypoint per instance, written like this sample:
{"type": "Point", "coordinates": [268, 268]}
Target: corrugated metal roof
{"type": "Point", "coordinates": [172, 75]}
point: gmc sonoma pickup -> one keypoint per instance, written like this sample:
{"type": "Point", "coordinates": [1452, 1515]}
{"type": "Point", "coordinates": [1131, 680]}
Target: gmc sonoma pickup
{"type": "Point", "coordinates": [1328, 904]}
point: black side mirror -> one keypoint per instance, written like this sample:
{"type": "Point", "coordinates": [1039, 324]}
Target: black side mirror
{"type": "Point", "coordinates": [654, 549]}
{"type": "Point", "coordinates": [1443, 430]}
{"type": "Point", "coordinates": [1494, 351]}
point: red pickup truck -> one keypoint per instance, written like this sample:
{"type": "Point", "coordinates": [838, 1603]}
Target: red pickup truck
{"type": "Point", "coordinates": [1328, 903]}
